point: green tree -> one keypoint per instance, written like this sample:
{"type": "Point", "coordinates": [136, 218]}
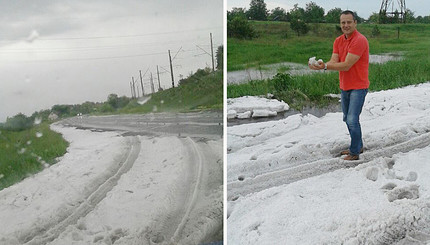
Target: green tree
{"type": "Point", "coordinates": [18, 122]}
{"type": "Point", "coordinates": [396, 17]}
{"type": "Point", "coordinates": [409, 16]}
{"type": "Point", "coordinates": [299, 26]}
{"type": "Point", "coordinates": [87, 107]}
{"type": "Point", "coordinates": [113, 100]}
{"type": "Point", "coordinates": [257, 10]}
{"type": "Point", "coordinates": [297, 22]}
{"type": "Point", "coordinates": [123, 101]}
{"type": "Point", "coordinates": [43, 114]}
{"type": "Point", "coordinates": [382, 17]}
{"type": "Point", "coordinates": [422, 19]}
{"type": "Point", "coordinates": [297, 13]}
{"type": "Point", "coordinates": [106, 107]}
{"type": "Point", "coordinates": [314, 13]}
{"type": "Point", "coordinates": [239, 27]}
{"type": "Point", "coordinates": [278, 14]}
{"type": "Point", "coordinates": [236, 12]}
{"type": "Point", "coordinates": [374, 18]}
{"type": "Point", "coordinates": [358, 18]}
{"type": "Point", "coordinates": [61, 110]}
{"type": "Point", "coordinates": [333, 15]}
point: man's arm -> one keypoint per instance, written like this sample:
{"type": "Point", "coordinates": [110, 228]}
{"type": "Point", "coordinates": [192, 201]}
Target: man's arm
{"type": "Point", "coordinates": [334, 63]}
{"type": "Point", "coordinates": [350, 60]}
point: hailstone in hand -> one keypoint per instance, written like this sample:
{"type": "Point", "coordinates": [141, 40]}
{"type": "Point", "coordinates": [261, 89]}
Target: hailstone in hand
{"type": "Point", "coordinates": [314, 62]}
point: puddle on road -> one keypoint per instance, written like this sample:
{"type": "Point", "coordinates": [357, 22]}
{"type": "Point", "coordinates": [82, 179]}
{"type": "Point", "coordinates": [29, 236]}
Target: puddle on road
{"type": "Point", "coordinates": [316, 111]}
{"type": "Point", "coordinates": [294, 69]}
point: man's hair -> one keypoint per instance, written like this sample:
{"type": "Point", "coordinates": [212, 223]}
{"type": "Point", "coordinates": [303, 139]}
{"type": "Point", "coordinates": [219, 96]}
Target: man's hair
{"type": "Point", "coordinates": [349, 12]}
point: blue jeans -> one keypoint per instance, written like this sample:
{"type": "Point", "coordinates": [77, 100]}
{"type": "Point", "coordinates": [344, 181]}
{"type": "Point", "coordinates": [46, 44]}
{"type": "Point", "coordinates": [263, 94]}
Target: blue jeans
{"type": "Point", "coordinates": [352, 104]}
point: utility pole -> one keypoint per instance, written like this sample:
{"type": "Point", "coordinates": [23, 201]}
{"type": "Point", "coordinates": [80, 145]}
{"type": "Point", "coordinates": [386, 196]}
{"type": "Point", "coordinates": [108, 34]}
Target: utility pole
{"type": "Point", "coordinates": [131, 88]}
{"type": "Point", "coordinates": [171, 70]}
{"type": "Point", "coordinates": [132, 78]}
{"type": "Point", "coordinates": [152, 84]}
{"type": "Point", "coordinates": [134, 88]}
{"type": "Point", "coordinates": [141, 82]}
{"type": "Point", "coordinates": [158, 74]}
{"type": "Point", "coordinates": [212, 51]}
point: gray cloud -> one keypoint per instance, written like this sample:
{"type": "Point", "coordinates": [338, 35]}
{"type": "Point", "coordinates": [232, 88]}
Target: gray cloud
{"type": "Point", "coordinates": [84, 50]}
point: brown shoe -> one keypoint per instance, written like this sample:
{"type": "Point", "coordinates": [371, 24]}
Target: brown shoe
{"type": "Point", "coordinates": [351, 158]}
{"type": "Point", "coordinates": [346, 152]}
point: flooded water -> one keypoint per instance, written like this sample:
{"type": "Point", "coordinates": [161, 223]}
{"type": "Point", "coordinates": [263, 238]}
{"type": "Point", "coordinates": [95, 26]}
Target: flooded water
{"type": "Point", "coordinates": [316, 111]}
{"type": "Point", "coordinates": [294, 69]}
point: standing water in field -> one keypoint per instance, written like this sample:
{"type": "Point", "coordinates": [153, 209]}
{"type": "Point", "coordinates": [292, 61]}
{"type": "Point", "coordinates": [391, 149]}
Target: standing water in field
{"type": "Point", "coordinates": [268, 71]}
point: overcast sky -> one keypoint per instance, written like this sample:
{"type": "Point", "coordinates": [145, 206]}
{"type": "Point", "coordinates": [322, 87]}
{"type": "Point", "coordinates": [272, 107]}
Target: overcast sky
{"type": "Point", "coordinates": [69, 52]}
{"type": "Point", "coordinates": [364, 8]}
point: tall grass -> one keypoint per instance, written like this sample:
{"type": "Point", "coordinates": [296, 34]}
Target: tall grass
{"type": "Point", "coordinates": [397, 74]}
{"type": "Point", "coordinates": [26, 152]}
{"type": "Point", "coordinates": [311, 89]}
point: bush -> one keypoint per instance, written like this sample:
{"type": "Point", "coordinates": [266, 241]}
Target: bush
{"type": "Point", "coordinates": [239, 27]}
{"type": "Point", "coordinates": [300, 27]}
{"type": "Point", "coordinates": [106, 107]}
{"type": "Point", "coordinates": [282, 82]}
{"type": "Point", "coordinates": [375, 31]}
{"type": "Point", "coordinates": [18, 123]}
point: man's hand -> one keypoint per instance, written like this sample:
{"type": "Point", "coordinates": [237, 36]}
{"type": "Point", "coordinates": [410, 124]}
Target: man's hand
{"type": "Point", "coordinates": [320, 66]}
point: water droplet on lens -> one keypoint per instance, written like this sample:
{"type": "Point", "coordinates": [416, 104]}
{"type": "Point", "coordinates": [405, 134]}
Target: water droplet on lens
{"type": "Point", "coordinates": [29, 142]}
{"type": "Point", "coordinates": [37, 120]}
{"type": "Point", "coordinates": [154, 109]}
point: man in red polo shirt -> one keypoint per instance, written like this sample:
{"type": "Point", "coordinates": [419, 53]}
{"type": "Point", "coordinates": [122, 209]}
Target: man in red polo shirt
{"type": "Point", "coordinates": [351, 58]}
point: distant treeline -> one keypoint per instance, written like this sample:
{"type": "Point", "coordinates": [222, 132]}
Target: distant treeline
{"type": "Point", "coordinates": [313, 13]}
{"type": "Point", "coordinates": [238, 27]}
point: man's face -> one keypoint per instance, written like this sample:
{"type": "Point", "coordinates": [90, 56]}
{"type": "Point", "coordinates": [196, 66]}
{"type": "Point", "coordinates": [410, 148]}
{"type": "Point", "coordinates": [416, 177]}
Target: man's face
{"type": "Point", "coordinates": [348, 24]}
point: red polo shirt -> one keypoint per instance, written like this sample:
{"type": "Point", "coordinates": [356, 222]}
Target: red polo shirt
{"type": "Point", "coordinates": [358, 75]}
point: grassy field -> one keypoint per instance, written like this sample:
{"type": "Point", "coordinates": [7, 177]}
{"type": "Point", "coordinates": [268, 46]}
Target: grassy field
{"type": "Point", "coordinates": [26, 152]}
{"type": "Point", "coordinates": [199, 93]}
{"type": "Point", "coordinates": [277, 43]}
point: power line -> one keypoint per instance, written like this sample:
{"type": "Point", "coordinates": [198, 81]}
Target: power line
{"type": "Point", "coordinates": [85, 48]}
{"type": "Point", "coordinates": [102, 58]}
{"type": "Point", "coordinates": [116, 36]}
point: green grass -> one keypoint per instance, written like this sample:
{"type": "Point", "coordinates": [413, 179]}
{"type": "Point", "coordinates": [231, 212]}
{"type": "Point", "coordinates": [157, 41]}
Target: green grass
{"type": "Point", "coordinates": [23, 153]}
{"type": "Point", "coordinates": [277, 43]}
{"type": "Point", "coordinates": [204, 93]}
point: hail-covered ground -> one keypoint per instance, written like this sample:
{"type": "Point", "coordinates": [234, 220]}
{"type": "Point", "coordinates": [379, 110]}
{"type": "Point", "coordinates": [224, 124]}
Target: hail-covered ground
{"type": "Point", "coordinates": [125, 186]}
{"type": "Point", "coordinates": [288, 184]}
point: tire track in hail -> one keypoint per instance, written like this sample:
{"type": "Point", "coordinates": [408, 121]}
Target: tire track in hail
{"type": "Point", "coordinates": [193, 200]}
{"type": "Point", "coordinates": [168, 228]}
{"type": "Point", "coordinates": [315, 168]}
{"type": "Point", "coordinates": [96, 196]}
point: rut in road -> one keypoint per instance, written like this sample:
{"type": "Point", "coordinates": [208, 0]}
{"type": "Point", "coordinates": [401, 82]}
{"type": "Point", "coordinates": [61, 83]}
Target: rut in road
{"type": "Point", "coordinates": [289, 175]}
{"type": "Point", "coordinates": [169, 229]}
{"type": "Point", "coordinates": [51, 231]}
